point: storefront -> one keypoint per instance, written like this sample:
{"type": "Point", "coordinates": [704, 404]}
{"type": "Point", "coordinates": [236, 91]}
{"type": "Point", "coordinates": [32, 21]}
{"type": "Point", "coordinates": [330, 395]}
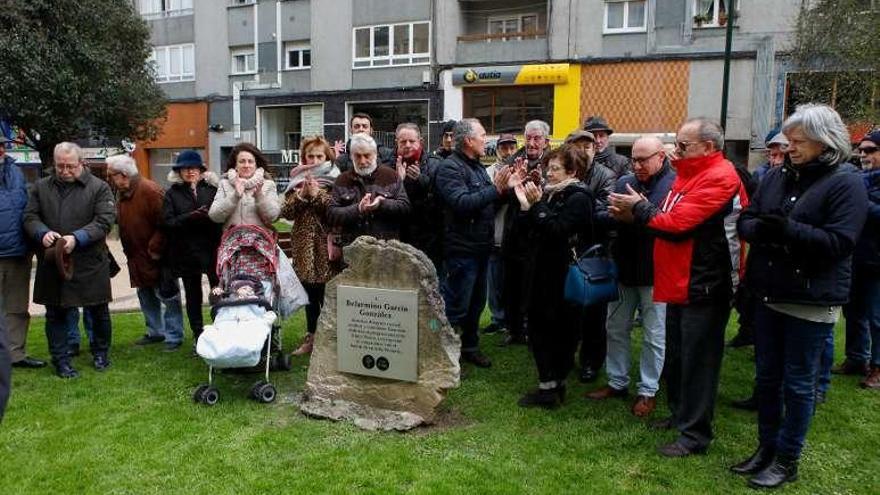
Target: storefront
{"type": "Point", "coordinates": [186, 127]}
{"type": "Point", "coordinates": [504, 98]}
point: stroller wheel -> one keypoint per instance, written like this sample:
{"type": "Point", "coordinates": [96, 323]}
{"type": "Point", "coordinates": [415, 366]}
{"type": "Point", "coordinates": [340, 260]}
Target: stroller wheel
{"type": "Point", "coordinates": [198, 395]}
{"type": "Point", "coordinates": [255, 390]}
{"type": "Point", "coordinates": [210, 396]}
{"type": "Point", "coordinates": [266, 393]}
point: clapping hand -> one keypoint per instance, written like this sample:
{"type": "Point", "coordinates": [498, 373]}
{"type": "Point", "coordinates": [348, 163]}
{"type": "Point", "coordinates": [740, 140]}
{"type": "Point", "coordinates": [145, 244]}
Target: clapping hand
{"type": "Point", "coordinates": [239, 187]}
{"type": "Point", "coordinates": [339, 147]}
{"type": "Point", "coordinates": [401, 168]}
{"type": "Point", "coordinates": [370, 202]}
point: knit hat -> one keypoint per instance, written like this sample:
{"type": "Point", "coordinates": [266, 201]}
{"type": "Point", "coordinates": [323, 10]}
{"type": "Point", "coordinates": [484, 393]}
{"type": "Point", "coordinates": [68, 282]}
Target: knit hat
{"type": "Point", "coordinates": [597, 123]}
{"type": "Point", "coordinates": [873, 136]}
{"type": "Point", "coordinates": [448, 126]}
{"type": "Point", "coordinates": [188, 159]}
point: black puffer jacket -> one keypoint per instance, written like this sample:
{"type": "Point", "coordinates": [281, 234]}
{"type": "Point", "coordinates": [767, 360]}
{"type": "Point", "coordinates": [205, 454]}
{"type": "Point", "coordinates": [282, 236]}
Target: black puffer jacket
{"type": "Point", "coordinates": [191, 240]}
{"type": "Point", "coordinates": [424, 226]}
{"type": "Point", "coordinates": [808, 259]}
{"type": "Point", "coordinates": [866, 259]}
{"type": "Point", "coordinates": [468, 197]}
{"type": "Point", "coordinates": [384, 222]}
{"type": "Point", "coordinates": [618, 164]}
{"type": "Point", "coordinates": [554, 226]}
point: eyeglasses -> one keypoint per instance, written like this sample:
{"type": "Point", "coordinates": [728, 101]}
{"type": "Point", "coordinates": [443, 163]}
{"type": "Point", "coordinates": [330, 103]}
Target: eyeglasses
{"type": "Point", "coordinates": [684, 145]}
{"type": "Point", "coordinates": [62, 166]}
{"type": "Point", "coordinates": [868, 149]}
{"type": "Point", "coordinates": [641, 160]}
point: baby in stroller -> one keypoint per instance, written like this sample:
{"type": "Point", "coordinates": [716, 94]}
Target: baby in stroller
{"type": "Point", "coordinates": [245, 309]}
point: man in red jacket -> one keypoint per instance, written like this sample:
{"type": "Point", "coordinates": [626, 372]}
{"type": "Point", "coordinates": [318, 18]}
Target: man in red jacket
{"type": "Point", "coordinates": [697, 263]}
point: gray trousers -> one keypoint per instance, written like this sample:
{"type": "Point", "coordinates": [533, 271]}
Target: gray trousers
{"type": "Point", "coordinates": [15, 276]}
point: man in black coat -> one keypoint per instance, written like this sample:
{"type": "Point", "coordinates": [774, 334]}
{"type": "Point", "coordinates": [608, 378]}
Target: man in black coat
{"type": "Point", "coordinates": [361, 123]}
{"type": "Point", "coordinates": [515, 244]}
{"type": "Point", "coordinates": [74, 211]}
{"type": "Point", "coordinates": [605, 155]}
{"type": "Point", "coordinates": [416, 168]}
{"type": "Point", "coordinates": [469, 198]}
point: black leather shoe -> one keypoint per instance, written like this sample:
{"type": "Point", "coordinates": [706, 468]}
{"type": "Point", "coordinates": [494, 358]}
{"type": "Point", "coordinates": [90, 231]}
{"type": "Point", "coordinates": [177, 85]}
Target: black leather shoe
{"type": "Point", "coordinates": [65, 370]}
{"type": "Point", "coordinates": [781, 471]}
{"type": "Point", "coordinates": [149, 339]}
{"type": "Point", "coordinates": [677, 449]}
{"type": "Point", "coordinates": [492, 328]}
{"type": "Point", "coordinates": [588, 375]}
{"type": "Point", "coordinates": [101, 362]}
{"type": "Point", "coordinates": [546, 398]}
{"type": "Point", "coordinates": [758, 462]}
{"type": "Point", "coordinates": [476, 358]}
{"type": "Point", "coordinates": [662, 424]}
{"type": "Point", "coordinates": [740, 340]}
{"type": "Point", "coordinates": [750, 404]}
{"type": "Point", "coordinates": [29, 362]}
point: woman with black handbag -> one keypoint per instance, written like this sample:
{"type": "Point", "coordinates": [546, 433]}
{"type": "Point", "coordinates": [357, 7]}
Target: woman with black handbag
{"type": "Point", "coordinates": [558, 220]}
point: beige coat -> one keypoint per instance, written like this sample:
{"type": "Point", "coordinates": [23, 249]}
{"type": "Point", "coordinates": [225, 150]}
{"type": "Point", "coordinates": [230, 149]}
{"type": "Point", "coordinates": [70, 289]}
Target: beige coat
{"type": "Point", "coordinates": [231, 209]}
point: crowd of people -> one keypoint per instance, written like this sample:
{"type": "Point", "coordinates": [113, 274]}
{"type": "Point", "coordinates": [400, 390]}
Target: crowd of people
{"type": "Point", "coordinates": [676, 221]}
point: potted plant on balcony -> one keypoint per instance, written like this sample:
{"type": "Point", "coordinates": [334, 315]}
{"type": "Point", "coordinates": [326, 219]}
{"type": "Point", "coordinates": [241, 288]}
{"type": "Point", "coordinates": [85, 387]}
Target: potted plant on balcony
{"type": "Point", "coordinates": [699, 19]}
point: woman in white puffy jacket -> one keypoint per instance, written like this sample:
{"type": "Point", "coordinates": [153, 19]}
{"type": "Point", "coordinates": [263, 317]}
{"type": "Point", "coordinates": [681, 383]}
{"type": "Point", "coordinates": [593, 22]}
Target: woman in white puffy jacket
{"type": "Point", "coordinates": [246, 195]}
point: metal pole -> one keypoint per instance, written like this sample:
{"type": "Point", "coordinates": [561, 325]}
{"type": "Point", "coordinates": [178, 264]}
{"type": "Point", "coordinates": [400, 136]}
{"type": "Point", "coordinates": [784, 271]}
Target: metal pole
{"type": "Point", "coordinates": [728, 43]}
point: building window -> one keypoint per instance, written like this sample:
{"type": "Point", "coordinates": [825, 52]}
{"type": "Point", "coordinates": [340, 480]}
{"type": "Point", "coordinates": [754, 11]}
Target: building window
{"type": "Point", "coordinates": [392, 44]}
{"type": "Point", "coordinates": [299, 56]}
{"type": "Point", "coordinates": [508, 108]}
{"type": "Point", "coordinates": [387, 115]}
{"type": "Point", "coordinates": [710, 13]}
{"type": "Point", "coordinates": [155, 9]}
{"type": "Point", "coordinates": [520, 25]}
{"type": "Point", "coordinates": [242, 2]}
{"type": "Point", "coordinates": [174, 63]}
{"type": "Point", "coordinates": [624, 16]}
{"type": "Point", "coordinates": [244, 61]}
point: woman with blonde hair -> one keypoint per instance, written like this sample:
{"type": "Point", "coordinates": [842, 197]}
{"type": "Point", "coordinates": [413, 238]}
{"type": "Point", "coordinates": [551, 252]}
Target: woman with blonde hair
{"type": "Point", "coordinates": [305, 204]}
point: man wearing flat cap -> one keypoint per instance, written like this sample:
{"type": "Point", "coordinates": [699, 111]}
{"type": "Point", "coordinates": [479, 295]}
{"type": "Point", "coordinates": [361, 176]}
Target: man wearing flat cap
{"type": "Point", "coordinates": [72, 210]}
{"type": "Point", "coordinates": [618, 164]}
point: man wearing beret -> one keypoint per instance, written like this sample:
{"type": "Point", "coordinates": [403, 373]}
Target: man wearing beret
{"type": "Point", "coordinates": [73, 211]}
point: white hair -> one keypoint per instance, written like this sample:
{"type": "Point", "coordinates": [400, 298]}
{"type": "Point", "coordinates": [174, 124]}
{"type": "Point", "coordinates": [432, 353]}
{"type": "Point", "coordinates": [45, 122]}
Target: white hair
{"type": "Point", "coordinates": [364, 143]}
{"type": "Point", "coordinates": [66, 148]}
{"type": "Point", "coordinates": [537, 125]}
{"type": "Point", "coordinates": [122, 164]}
{"type": "Point", "coordinates": [822, 124]}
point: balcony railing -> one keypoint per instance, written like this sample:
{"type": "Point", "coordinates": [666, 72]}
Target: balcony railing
{"type": "Point", "coordinates": [513, 36]}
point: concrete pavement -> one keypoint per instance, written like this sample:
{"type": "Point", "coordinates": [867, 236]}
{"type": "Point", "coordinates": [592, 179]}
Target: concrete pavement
{"type": "Point", "coordinates": [124, 297]}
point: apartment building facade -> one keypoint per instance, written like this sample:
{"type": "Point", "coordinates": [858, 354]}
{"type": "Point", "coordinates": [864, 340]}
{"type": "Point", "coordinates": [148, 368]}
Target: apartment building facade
{"type": "Point", "coordinates": [272, 71]}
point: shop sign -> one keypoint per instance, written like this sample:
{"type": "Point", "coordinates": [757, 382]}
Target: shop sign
{"type": "Point", "coordinates": [511, 74]}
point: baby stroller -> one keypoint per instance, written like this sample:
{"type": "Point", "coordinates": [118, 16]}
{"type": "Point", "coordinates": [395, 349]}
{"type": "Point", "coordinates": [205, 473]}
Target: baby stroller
{"type": "Point", "coordinates": [244, 312]}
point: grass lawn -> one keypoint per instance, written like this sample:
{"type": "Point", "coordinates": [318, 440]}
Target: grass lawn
{"type": "Point", "coordinates": [135, 429]}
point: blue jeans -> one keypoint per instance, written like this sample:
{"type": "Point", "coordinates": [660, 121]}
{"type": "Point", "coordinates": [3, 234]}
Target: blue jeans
{"type": "Point", "coordinates": [619, 325]}
{"type": "Point", "coordinates": [826, 362]}
{"type": "Point", "coordinates": [58, 330]}
{"type": "Point", "coordinates": [788, 352]}
{"type": "Point", "coordinates": [168, 323]}
{"type": "Point", "coordinates": [863, 321]}
{"type": "Point", "coordinates": [464, 292]}
{"type": "Point", "coordinates": [73, 336]}
{"type": "Point", "coordinates": [496, 288]}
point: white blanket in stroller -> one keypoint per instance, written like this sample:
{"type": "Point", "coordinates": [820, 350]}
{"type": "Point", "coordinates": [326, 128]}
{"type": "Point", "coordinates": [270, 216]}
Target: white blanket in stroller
{"type": "Point", "coordinates": [237, 336]}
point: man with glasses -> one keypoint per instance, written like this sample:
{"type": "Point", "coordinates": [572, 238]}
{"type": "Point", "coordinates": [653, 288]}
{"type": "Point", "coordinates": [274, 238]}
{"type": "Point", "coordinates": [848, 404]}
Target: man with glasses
{"type": "Point", "coordinates": [697, 262]}
{"type": "Point", "coordinates": [863, 311]}
{"type": "Point", "coordinates": [633, 251]}
{"type": "Point", "coordinates": [72, 211]}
